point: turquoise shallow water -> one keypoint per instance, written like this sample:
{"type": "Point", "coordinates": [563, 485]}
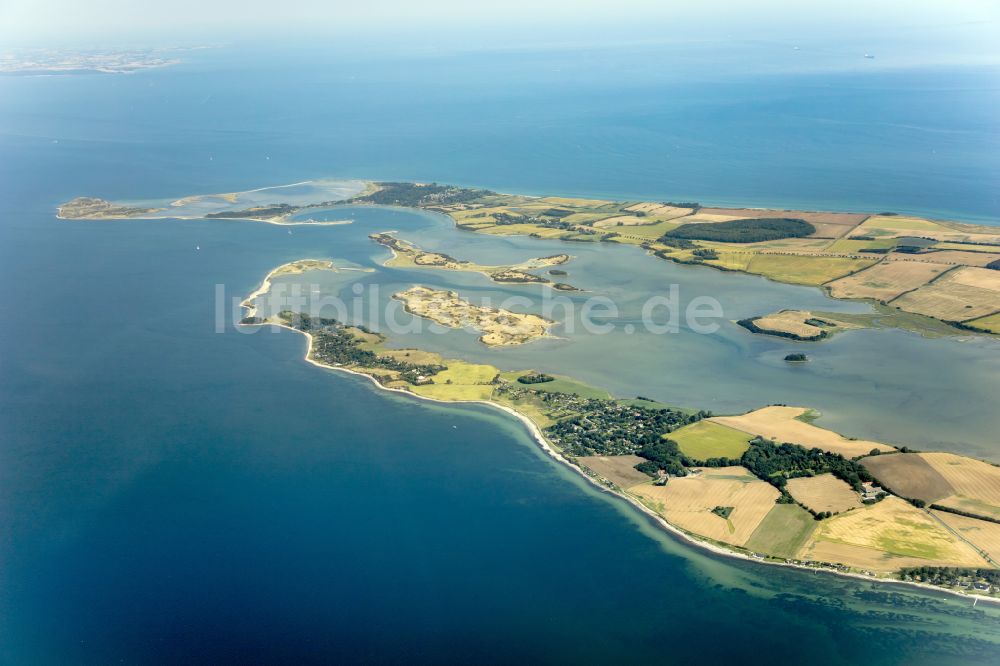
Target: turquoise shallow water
{"type": "Point", "coordinates": [168, 493]}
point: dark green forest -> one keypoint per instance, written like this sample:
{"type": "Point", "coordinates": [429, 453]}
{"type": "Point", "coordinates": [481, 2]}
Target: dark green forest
{"type": "Point", "coordinates": [750, 230]}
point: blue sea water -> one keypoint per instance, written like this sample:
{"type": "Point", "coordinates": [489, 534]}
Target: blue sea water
{"type": "Point", "coordinates": [171, 494]}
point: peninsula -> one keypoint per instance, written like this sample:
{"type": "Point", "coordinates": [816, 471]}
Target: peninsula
{"type": "Point", "coordinates": [767, 485]}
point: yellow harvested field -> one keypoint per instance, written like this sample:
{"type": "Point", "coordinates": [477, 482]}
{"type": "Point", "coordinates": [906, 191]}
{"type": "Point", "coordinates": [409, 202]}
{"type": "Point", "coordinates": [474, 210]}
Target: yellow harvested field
{"type": "Point", "coordinates": [455, 392]}
{"type": "Point", "coordinates": [969, 505]}
{"type": "Point", "coordinates": [688, 502]}
{"type": "Point", "coordinates": [970, 478]}
{"type": "Point", "coordinates": [522, 230]}
{"type": "Point", "coordinates": [805, 269]}
{"type": "Point", "coordinates": [781, 424]}
{"type": "Point", "coordinates": [813, 217]}
{"type": "Point", "coordinates": [900, 225]}
{"type": "Point", "coordinates": [860, 557]}
{"type": "Point", "coordinates": [793, 322]}
{"type": "Point", "coordinates": [573, 203]}
{"type": "Point", "coordinates": [620, 470]}
{"type": "Point", "coordinates": [828, 230]}
{"type": "Point", "coordinates": [623, 221]}
{"type": "Point", "coordinates": [701, 216]}
{"type": "Point", "coordinates": [887, 280]}
{"type": "Point", "coordinates": [789, 321]}
{"type": "Point", "coordinates": [955, 257]}
{"type": "Point", "coordinates": [584, 218]}
{"type": "Point", "coordinates": [894, 527]}
{"type": "Point", "coordinates": [961, 294]}
{"type": "Point", "coordinates": [981, 278]}
{"type": "Point", "coordinates": [982, 534]}
{"type": "Point", "coordinates": [646, 232]}
{"type": "Point", "coordinates": [824, 493]}
{"type": "Point", "coordinates": [966, 247]}
{"type": "Point", "coordinates": [660, 211]}
{"type": "Point", "coordinates": [797, 245]}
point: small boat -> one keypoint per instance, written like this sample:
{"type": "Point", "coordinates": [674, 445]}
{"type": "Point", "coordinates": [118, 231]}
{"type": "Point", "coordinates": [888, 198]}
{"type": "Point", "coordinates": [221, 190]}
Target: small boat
{"type": "Point", "coordinates": [869, 56]}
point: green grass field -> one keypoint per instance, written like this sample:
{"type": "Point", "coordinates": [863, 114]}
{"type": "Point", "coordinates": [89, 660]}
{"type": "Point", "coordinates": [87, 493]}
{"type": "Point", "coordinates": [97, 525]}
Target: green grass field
{"type": "Point", "coordinates": [644, 231]}
{"type": "Point", "coordinates": [559, 385]}
{"type": "Point", "coordinates": [848, 246]}
{"type": "Point", "coordinates": [783, 531]}
{"type": "Point", "coordinates": [586, 218]}
{"type": "Point", "coordinates": [802, 269]}
{"type": "Point", "coordinates": [653, 404]}
{"type": "Point", "coordinates": [734, 261]}
{"type": "Point", "coordinates": [461, 381]}
{"type": "Point", "coordinates": [990, 323]}
{"type": "Point", "coordinates": [704, 440]}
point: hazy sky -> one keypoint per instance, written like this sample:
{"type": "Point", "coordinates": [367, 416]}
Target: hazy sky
{"type": "Point", "coordinates": [48, 22]}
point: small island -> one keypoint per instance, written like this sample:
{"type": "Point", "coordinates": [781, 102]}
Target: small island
{"type": "Point", "coordinates": [407, 255]}
{"type": "Point", "coordinates": [499, 327]}
{"type": "Point", "coordinates": [797, 357]}
{"type": "Point", "coordinates": [535, 378]}
{"type": "Point", "coordinates": [91, 208]}
{"type": "Point", "coordinates": [797, 325]}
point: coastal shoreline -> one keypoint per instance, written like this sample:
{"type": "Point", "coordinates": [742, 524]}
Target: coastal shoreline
{"type": "Point", "coordinates": [145, 218]}
{"type": "Point", "coordinates": [540, 440]}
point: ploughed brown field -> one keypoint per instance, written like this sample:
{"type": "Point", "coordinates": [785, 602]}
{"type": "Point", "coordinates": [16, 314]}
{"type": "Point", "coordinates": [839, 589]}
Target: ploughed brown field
{"type": "Point", "coordinates": [909, 475]}
{"type": "Point", "coordinates": [828, 225]}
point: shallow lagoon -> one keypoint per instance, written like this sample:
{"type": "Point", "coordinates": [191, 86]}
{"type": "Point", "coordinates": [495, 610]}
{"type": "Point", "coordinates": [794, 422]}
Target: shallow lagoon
{"type": "Point", "coordinates": [883, 384]}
